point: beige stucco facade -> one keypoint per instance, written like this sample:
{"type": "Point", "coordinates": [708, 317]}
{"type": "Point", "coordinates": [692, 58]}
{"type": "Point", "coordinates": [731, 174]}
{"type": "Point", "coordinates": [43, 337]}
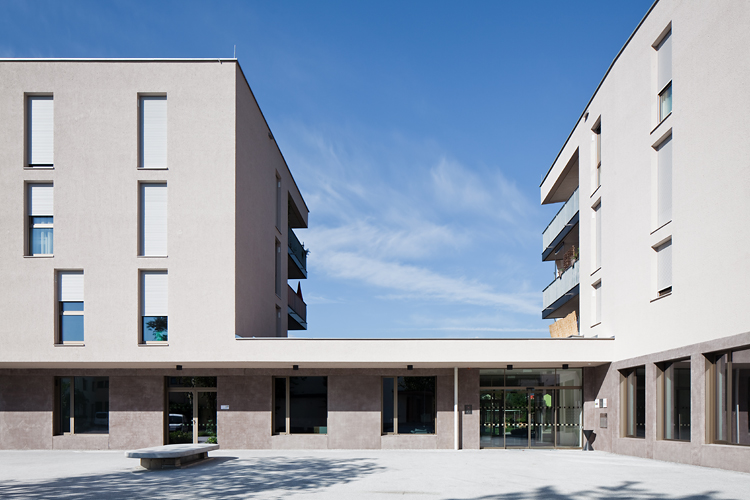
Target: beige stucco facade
{"type": "Point", "coordinates": [699, 317]}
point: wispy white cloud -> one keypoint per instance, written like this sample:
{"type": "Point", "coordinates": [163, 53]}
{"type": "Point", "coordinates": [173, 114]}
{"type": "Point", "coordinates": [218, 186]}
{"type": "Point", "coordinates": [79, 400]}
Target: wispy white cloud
{"type": "Point", "coordinates": [402, 219]}
{"type": "Point", "coordinates": [418, 283]}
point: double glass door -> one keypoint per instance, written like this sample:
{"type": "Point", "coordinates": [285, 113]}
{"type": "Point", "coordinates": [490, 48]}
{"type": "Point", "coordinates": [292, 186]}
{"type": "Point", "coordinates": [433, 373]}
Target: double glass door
{"type": "Point", "coordinates": [191, 415]}
{"type": "Point", "coordinates": [518, 418]}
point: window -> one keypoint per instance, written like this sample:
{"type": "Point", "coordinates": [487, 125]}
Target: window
{"type": "Point", "coordinates": [597, 310]}
{"type": "Point", "coordinates": [300, 405]}
{"type": "Point", "coordinates": [664, 182]}
{"type": "Point", "coordinates": [598, 158]}
{"type": "Point", "coordinates": [153, 220]}
{"type": "Point", "coordinates": [664, 268]}
{"type": "Point", "coordinates": [70, 306]}
{"type": "Point", "coordinates": [597, 228]}
{"type": "Point", "coordinates": [278, 268]}
{"type": "Point", "coordinates": [730, 397]}
{"type": "Point", "coordinates": [664, 77]}
{"type": "Point", "coordinates": [40, 130]}
{"type": "Point", "coordinates": [635, 402]}
{"type": "Point", "coordinates": [409, 405]}
{"type": "Point", "coordinates": [279, 333]}
{"type": "Point", "coordinates": [152, 135]}
{"type": "Point", "coordinates": [154, 313]}
{"type": "Point", "coordinates": [278, 202]}
{"type": "Point", "coordinates": [81, 405]}
{"type": "Point", "coordinates": [40, 200]}
{"type": "Point", "coordinates": [677, 400]}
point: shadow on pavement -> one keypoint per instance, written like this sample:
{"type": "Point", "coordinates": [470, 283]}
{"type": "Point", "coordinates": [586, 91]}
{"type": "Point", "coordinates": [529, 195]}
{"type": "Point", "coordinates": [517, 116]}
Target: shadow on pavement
{"type": "Point", "coordinates": [222, 477]}
{"type": "Point", "coordinates": [627, 490]}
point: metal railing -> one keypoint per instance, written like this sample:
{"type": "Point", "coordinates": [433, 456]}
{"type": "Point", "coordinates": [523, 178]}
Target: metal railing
{"type": "Point", "coordinates": [568, 210]}
{"type": "Point", "coordinates": [562, 285]}
{"type": "Point", "coordinates": [295, 303]}
{"type": "Point", "coordinates": [297, 250]}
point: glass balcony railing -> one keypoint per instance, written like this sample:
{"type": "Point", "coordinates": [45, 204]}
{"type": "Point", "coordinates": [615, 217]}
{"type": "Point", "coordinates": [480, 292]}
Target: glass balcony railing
{"type": "Point", "coordinates": [562, 285]}
{"type": "Point", "coordinates": [560, 221]}
{"type": "Point", "coordinates": [298, 254]}
{"type": "Point", "coordinates": [297, 310]}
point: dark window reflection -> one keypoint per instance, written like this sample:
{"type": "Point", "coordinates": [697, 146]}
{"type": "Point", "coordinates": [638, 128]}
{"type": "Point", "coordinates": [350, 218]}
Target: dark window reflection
{"type": "Point", "coordinates": [87, 404]}
{"type": "Point", "coordinates": [308, 405]}
{"type": "Point", "coordinates": [279, 410]}
{"type": "Point", "coordinates": [388, 401]}
{"type": "Point", "coordinates": [416, 405]}
{"type": "Point", "coordinates": [192, 381]}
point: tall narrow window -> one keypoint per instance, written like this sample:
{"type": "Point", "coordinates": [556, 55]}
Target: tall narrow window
{"type": "Point", "coordinates": [41, 201]}
{"type": "Point", "coordinates": [278, 268]}
{"type": "Point", "coordinates": [664, 268]}
{"type": "Point", "coordinates": [153, 131]}
{"type": "Point", "coordinates": [635, 402]}
{"type": "Point", "coordinates": [597, 227]}
{"type": "Point", "coordinates": [279, 333]}
{"type": "Point", "coordinates": [677, 400]}
{"type": "Point", "coordinates": [598, 139]}
{"type": "Point", "coordinates": [597, 309]}
{"type": "Point", "coordinates": [300, 405]}
{"type": "Point", "coordinates": [731, 397]}
{"type": "Point", "coordinates": [154, 315]}
{"type": "Point", "coordinates": [664, 78]}
{"type": "Point", "coordinates": [40, 130]}
{"type": "Point", "coordinates": [278, 202]}
{"type": "Point", "coordinates": [664, 182]}
{"type": "Point", "coordinates": [153, 220]}
{"type": "Point", "coordinates": [70, 306]}
{"type": "Point", "coordinates": [409, 405]}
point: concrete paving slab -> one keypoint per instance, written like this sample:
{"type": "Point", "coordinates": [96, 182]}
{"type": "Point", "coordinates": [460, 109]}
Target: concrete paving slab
{"type": "Point", "coordinates": [367, 474]}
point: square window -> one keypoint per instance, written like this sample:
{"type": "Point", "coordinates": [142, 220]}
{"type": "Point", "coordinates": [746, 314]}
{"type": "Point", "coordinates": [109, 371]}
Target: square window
{"type": "Point", "coordinates": [409, 405]}
{"type": "Point", "coordinates": [82, 405]}
{"type": "Point", "coordinates": [300, 405]}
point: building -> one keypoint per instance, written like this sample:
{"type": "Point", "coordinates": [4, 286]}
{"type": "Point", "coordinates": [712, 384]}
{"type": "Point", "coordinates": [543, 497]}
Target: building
{"type": "Point", "coordinates": [650, 245]}
{"type": "Point", "coordinates": [106, 164]}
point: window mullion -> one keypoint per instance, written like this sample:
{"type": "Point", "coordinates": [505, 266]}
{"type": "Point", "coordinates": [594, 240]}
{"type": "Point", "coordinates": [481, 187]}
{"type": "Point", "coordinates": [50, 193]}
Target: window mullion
{"type": "Point", "coordinates": [288, 406]}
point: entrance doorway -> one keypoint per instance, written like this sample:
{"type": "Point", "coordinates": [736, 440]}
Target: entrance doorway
{"type": "Point", "coordinates": [191, 413]}
{"type": "Point", "coordinates": [531, 418]}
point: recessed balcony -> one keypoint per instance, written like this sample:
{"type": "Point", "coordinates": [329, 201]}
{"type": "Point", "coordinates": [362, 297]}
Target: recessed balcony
{"type": "Point", "coordinates": [561, 225]}
{"type": "Point", "coordinates": [297, 310]}
{"type": "Point", "coordinates": [562, 295]}
{"type": "Point", "coordinates": [297, 258]}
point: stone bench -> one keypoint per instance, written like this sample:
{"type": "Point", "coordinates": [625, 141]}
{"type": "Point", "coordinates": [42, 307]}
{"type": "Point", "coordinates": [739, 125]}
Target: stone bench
{"type": "Point", "coordinates": [171, 455]}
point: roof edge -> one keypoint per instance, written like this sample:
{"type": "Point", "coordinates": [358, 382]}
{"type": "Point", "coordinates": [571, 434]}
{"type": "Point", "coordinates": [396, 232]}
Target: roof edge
{"type": "Point", "coordinates": [597, 90]}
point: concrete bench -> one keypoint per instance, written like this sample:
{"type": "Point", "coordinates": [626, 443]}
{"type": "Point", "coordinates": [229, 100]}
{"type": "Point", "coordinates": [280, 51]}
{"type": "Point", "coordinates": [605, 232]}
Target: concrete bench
{"type": "Point", "coordinates": [171, 455]}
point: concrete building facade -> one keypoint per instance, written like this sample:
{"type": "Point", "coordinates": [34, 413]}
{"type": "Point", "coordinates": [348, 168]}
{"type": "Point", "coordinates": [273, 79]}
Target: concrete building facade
{"type": "Point", "coordinates": [649, 244]}
{"type": "Point", "coordinates": [148, 224]}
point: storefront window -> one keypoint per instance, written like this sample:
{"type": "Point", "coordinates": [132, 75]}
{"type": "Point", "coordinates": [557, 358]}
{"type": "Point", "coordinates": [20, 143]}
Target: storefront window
{"type": "Point", "coordinates": [82, 405]}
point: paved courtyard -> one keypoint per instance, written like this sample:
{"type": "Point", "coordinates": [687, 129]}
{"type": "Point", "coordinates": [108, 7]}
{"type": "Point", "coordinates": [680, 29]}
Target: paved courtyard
{"type": "Point", "coordinates": [366, 474]}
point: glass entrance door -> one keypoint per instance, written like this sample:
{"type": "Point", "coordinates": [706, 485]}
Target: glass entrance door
{"type": "Point", "coordinates": [191, 414]}
{"type": "Point", "coordinates": [491, 428]}
{"type": "Point", "coordinates": [516, 418]}
{"type": "Point", "coordinates": [542, 418]}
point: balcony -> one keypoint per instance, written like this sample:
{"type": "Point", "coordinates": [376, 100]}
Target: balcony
{"type": "Point", "coordinates": [297, 310]}
{"type": "Point", "coordinates": [297, 258]}
{"type": "Point", "coordinates": [565, 220]}
{"type": "Point", "coordinates": [561, 296]}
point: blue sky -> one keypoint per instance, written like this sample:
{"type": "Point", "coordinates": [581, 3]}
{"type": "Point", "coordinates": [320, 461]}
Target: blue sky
{"type": "Point", "coordinates": [418, 133]}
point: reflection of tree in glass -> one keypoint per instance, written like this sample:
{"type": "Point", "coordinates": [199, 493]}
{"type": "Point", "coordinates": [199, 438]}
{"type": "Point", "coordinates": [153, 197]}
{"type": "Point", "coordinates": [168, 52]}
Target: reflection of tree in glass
{"type": "Point", "coordinates": [159, 326]}
{"type": "Point", "coordinates": [416, 384]}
